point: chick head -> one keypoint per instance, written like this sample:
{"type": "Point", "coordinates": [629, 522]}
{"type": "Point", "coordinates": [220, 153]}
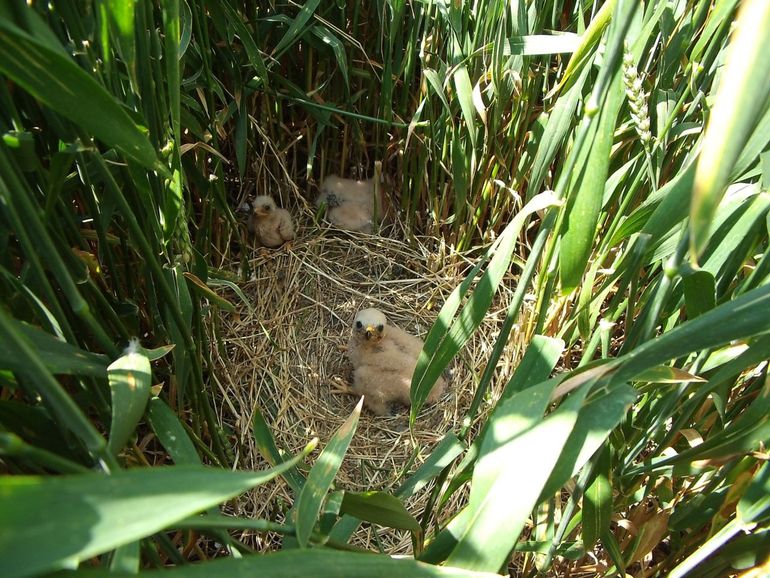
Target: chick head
{"type": "Point", "coordinates": [369, 325]}
{"type": "Point", "coordinates": [263, 206]}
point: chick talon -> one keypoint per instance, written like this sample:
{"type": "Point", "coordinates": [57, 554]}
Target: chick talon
{"type": "Point", "coordinates": [339, 387]}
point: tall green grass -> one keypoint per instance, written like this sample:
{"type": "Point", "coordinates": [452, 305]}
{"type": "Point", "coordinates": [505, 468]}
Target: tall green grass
{"type": "Point", "coordinates": [618, 150]}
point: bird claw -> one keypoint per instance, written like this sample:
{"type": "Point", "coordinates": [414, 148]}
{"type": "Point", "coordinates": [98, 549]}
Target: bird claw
{"type": "Point", "coordinates": [339, 387]}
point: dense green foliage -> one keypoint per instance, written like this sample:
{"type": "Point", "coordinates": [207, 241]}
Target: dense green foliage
{"type": "Point", "coordinates": [614, 155]}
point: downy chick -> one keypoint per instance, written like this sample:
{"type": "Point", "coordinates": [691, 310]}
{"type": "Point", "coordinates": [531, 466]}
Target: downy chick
{"type": "Point", "coordinates": [272, 226]}
{"type": "Point", "coordinates": [384, 358]}
{"type": "Point", "coordinates": [351, 203]}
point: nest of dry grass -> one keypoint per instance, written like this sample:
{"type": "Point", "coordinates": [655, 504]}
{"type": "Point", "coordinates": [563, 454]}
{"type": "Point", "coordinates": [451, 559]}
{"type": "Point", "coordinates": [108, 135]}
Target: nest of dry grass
{"type": "Point", "coordinates": [282, 356]}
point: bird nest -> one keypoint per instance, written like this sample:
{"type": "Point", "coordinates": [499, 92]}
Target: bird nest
{"type": "Point", "coordinates": [282, 354]}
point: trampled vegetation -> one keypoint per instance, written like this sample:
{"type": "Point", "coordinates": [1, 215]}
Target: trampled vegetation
{"type": "Point", "coordinates": [613, 157]}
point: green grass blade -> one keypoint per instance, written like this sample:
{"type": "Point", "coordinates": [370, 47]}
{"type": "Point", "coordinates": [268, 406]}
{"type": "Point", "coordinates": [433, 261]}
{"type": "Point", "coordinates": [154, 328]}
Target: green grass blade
{"type": "Point", "coordinates": [249, 44]}
{"type": "Point", "coordinates": [52, 393]}
{"type": "Point", "coordinates": [542, 355]}
{"type": "Point", "coordinates": [379, 508]}
{"type": "Point", "coordinates": [464, 88]}
{"type": "Point", "coordinates": [699, 293]}
{"type": "Point", "coordinates": [319, 563]}
{"type": "Point", "coordinates": [205, 291]}
{"type": "Point", "coordinates": [322, 476]}
{"type": "Point", "coordinates": [442, 455]}
{"type": "Point", "coordinates": [130, 379]}
{"type": "Point", "coordinates": [588, 40]}
{"type": "Point", "coordinates": [560, 120]}
{"type": "Point", "coordinates": [266, 446]}
{"type": "Point", "coordinates": [295, 29]}
{"type": "Point", "coordinates": [737, 319]}
{"type": "Point", "coordinates": [58, 356]}
{"type": "Point", "coordinates": [597, 502]}
{"type": "Point", "coordinates": [126, 559]}
{"type": "Point", "coordinates": [326, 36]}
{"type": "Point", "coordinates": [171, 433]}
{"type": "Point", "coordinates": [595, 422]}
{"type": "Point", "coordinates": [121, 25]}
{"type": "Point", "coordinates": [518, 439]}
{"type": "Point", "coordinates": [95, 513]}
{"type": "Point", "coordinates": [743, 92]}
{"type": "Point", "coordinates": [64, 87]}
{"type": "Point", "coordinates": [432, 362]}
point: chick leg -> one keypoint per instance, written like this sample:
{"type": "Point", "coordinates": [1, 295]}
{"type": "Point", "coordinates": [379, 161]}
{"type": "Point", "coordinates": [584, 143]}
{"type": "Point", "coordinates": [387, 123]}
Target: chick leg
{"type": "Point", "coordinates": [340, 387]}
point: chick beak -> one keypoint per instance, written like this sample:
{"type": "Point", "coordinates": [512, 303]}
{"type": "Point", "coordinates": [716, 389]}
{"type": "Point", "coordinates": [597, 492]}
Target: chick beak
{"type": "Point", "coordinates": [369, 332]}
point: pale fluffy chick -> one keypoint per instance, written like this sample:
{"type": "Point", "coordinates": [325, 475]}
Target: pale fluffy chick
{"type": "Point", "coordinates": [384, 358]}
{"type": "Point", "coordinates": [272, 226]}
{"type": "Point", "coordinates": [350, 204]}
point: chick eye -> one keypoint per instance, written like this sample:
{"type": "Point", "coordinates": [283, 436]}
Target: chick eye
{"type": "Point", "coordinates": [380, 328]}
{"type": "Point", "coordinates": [266, 207]}
{"type": "Point", "coordinates": [359, 325]}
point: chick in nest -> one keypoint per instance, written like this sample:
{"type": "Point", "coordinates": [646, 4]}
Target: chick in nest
{"type": "Point", "coordinates": [351, 205]}
{"type": "Point", "coordinates": [272, 226]}
{"type": "Point", "coordinates": [384, 358]}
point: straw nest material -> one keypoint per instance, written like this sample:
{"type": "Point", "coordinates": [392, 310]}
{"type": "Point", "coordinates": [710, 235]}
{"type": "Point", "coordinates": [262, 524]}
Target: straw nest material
{"type": "Point", "coordinates": [283, 355]}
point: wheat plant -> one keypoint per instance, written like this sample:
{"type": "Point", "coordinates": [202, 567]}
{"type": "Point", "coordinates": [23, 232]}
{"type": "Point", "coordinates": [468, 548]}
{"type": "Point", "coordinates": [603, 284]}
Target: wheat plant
{"type": "Point", "coordinates": [613, 157]}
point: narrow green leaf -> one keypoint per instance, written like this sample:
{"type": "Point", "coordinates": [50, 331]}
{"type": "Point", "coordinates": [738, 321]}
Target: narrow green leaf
{"type": "Point", "coordinates": [121, 21]}
{"type": "Point", "coordinates": [541, 357]}
{"type": "Point", "coordinates": [586, 192]}
{"type": "Point", "coordinates": [560, 120]}
{"type": "Point", "coordinates": [442, 455]}
{"type": "Point", "coordinates": [63, 86]}
{"type": "Point", "coordinates": [130, 380]}
{"type": "Point", "coordinates": [434, 358]}
{"type": "Point", "coordinates": [754, 506]}
{"type": "Point", "coordinates": [216, 282]}
{"type": "Point", "coordinates": [322, 476]}
{"type": "Point", "coordinates": [518, 439]}
{"type": "Point", "coordinates": [305, 14]}
{"type": "Point", "coordinates": [743, 93]}
{"type": "Point", "coordinates": [438, 88]}
{"type": "Point", "coordinates": [464, 88]}
{"type": "Point", "coordinates": [171, 433]}
{"type": "Point", "coordinates": [157, 353]}
{"type": "Point", "coordinates": [699, 293]}
{"type": "Point", "coordinates": [57, 400]}
{"type": "Point", "coordinates": [379, 508]}
{"type": "Point", "coordinates": [595, 422]}
{"type": "Point", "coordinates": [126, 558]}
{"type": "Point", "coordinates": [206, 291]}
{"type": "Point", "coordinates": [597, 502]}
{"type": "Point", "coordinates": [95, 513]}
{"type": "Point", "coordinates": [588, 40]}
{"type": "Point", "coordinates": [740, 436]}
{"type": "Point", "coordinates": [326, 36]}
{"type": "Point", "coordinates": [266, 446]}
{"type": "Point", "coordinates": [249, 44]}
{"type": "Point", "coordinates": [667, 374]}
{"type": "Point", "coordinates": [319, 563]}
{"type": "Point", "coordinates": [736, 319]}
{"type": "Point", "coordinates": [59, 357]}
